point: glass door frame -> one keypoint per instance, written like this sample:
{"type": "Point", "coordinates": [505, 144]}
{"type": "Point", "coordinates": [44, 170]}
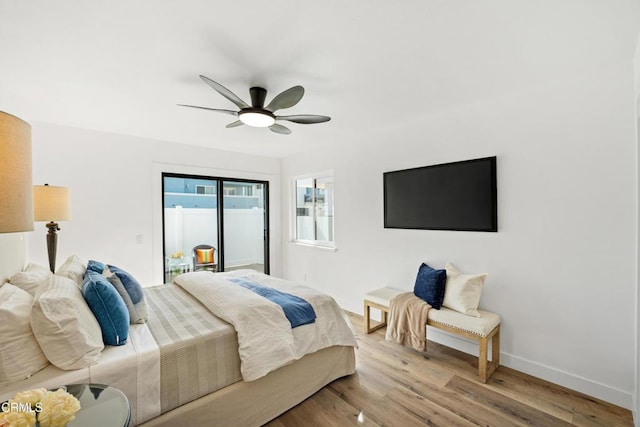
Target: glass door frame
{"type": "Point", "coordinates": [220, 213]}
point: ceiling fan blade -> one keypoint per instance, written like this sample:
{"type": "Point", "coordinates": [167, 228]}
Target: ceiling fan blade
{"type": "Point", "coordinates": [225, 92]}
{"type": "Point", "coordinates": [233, 113]}
{"type": "Point", "coordinates": [280, 129]}
{"type": "Point", "coordinates": [286, 99]}
{"type": "Point", "coordinates": [235, 124]}
{"type": "Point", "coordinates": [305, 119]}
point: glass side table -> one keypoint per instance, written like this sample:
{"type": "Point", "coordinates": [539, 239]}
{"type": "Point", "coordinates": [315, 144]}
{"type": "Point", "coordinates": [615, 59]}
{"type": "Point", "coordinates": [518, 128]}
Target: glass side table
{"type": "Point", "coordinates": [175, 267]}
{"type": "Point", "coordinates": [101, 406]}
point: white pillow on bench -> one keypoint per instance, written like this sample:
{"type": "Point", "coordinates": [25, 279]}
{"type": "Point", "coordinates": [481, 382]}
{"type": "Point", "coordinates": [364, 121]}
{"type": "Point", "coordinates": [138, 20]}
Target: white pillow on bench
{"type": "Point", "coordinates": [462, 291]}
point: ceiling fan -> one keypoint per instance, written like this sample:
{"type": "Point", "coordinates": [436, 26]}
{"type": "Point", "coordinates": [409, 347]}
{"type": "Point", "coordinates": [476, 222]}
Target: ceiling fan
{"type": "Point", "coordinates": [256, 114]}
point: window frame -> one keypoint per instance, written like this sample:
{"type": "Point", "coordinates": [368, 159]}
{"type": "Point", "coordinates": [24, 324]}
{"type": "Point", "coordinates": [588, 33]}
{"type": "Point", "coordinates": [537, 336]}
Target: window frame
{"type": "Point", "coordinates": [326, 176]}
{"type": "Point", "coordinates": [220, 181]}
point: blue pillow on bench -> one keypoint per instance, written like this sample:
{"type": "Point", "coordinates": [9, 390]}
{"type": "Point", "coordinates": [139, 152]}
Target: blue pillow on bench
{"type": "Point", "coordinates": [430, 285]}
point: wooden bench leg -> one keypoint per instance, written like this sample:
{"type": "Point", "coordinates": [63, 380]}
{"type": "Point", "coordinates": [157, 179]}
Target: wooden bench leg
{"type": "Point", "coordinates": [485, 369]}
{"type": "Point", "coordinates": [482, 360]}
{"type": "Point", "coordinates": [495, 349]}
{"type": "Point", "coordinates": [367, 317]}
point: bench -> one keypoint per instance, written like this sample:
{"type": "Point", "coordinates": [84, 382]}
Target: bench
{"type": "Point", "coordinates": [480, 329]}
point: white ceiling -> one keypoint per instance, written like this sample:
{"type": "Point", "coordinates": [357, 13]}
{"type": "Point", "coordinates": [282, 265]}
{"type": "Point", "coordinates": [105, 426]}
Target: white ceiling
{"type": "Point", "coordinates": [122, 66]}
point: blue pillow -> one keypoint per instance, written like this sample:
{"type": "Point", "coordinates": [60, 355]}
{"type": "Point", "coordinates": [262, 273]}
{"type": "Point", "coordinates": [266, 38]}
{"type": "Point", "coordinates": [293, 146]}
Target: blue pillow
{"type": "Point", "coordinates": [131, 292]}
{"type": "Point", "coordinates": [108, 308]}
{"type": "Point", "coordinates": [96, 266]}
{"type": "Point", "coordinates": [133, 287]}
{"type": "Point", "coordinates": [430, 285]}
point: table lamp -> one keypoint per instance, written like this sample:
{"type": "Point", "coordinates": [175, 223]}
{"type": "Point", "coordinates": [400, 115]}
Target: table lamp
{"type": "Point", "coordinates": [51, 204]}
{"type": "Point", "coordinates": [16, 203]}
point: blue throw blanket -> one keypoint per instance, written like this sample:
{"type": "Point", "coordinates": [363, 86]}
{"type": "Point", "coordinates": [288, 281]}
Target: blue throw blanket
{"type": "Point", "coordinates": [297, 310]}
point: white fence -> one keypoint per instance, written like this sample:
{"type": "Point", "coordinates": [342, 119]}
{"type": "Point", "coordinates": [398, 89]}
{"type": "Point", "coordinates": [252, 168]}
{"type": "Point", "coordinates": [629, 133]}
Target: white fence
{"type": "Point", "coordinates": [243, 233]}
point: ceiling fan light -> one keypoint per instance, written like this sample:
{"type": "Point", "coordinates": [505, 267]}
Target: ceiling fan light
{"type": "Point", "coordinates": [257, 119]}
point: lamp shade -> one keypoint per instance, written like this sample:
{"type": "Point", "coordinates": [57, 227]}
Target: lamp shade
{"type": "Point", "coordinates": [16, 202]}
{"type": "Point", "coordinates": [51, 203]}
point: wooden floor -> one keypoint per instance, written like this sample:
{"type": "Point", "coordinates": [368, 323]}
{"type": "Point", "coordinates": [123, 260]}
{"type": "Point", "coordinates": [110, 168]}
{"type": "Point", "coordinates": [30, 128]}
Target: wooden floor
{"type": "Point", "coordinates": [396, 386]}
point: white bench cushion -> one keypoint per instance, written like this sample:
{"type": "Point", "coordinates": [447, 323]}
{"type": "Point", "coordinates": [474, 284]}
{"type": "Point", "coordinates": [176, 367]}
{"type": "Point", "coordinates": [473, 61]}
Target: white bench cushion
{"type": "Point", "coordinates": [481, 326]}
{"type": "Point", "coordinates": [383, 296]}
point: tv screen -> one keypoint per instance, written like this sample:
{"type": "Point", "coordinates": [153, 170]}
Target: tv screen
{"type": "Point", "coordinates": [452, 196]}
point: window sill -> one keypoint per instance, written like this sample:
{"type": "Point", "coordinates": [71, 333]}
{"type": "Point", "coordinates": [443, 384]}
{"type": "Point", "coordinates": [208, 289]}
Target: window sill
{"type": "Point", "coordinates": [314, 245]}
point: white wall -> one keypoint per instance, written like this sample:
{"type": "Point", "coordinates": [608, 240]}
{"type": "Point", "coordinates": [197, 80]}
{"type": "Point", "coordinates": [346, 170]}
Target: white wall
{"type": "Point", "coordinates": [636, 400]}
{"type": "Point", "coordinates": [116, 193]}
{"type": "Point", "coordinates": [636, 67]}
{"type": "Point", "coordinates": [13, 254]}
{"type": "Point", "coordinates": [562, 268]}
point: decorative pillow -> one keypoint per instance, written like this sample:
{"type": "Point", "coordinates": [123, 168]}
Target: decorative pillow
{"type": "Point", "coordinates": [96, 266]}
{"type": "Point", "coordinates": [31, 278]}
{"type": "Point", "coordinates": [108, 308]}
{"type": "Point", "coordinates": [430, 284]}
{"type": "Point", "coordinates": [73, 268]}
{"type": "Point", "coordinates": [20, 354]}
{"type": "Point", "coordinates": [64, 326]}
{"type": "Point", "coordinates": [204, 256]}
{"type": "Point", "coordinates": [131, 292]}
{"type": "Point", "coordinates": [462, 292]}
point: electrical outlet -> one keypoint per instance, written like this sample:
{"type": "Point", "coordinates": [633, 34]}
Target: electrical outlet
{"type": "Point", "coordinates": [139, 239]}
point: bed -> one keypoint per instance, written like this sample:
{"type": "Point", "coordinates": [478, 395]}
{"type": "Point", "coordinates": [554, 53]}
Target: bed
{"type": "Point", "coordinates": [189, 365]}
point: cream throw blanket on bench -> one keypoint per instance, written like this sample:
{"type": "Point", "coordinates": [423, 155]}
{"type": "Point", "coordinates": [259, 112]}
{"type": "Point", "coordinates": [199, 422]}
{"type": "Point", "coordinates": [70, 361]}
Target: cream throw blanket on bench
{"type": "Point", "coordinates": [407, 324]}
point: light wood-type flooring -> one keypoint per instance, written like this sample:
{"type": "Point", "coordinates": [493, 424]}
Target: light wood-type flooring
{"type": "Point", "coordinates": [396, 386]}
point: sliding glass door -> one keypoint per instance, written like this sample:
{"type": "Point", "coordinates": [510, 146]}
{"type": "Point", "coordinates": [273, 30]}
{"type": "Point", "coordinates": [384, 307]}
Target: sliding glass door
{"type": "Point", "coordinates": [212, 223]}
{"type": "Point", "coordinates": [244, 219]}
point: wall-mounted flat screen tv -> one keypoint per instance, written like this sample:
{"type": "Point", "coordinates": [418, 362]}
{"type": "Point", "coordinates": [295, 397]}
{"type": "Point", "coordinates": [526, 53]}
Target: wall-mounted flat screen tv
{"type": "Point", "coordinates": [459, 196]}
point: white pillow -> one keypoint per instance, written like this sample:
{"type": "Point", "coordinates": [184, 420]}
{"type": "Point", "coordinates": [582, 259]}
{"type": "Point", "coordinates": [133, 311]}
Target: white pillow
{"type": "Point", "coordinates": [20, 354]}
{"type": "Point", "coordinates": [31, 278]}
{"type": "Point", "coordinates": [73, 268]}
{"type": "Point", "coordinates": [462, 291]}
{"type": "Point", "coordinates": [64, 325]}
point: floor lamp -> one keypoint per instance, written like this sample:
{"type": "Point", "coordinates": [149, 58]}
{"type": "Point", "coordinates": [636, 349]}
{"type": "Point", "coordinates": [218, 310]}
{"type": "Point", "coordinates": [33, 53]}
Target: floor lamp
{"type": "Point", "coordinates": [51, 204]}
{"type": "Point", "coordinates": [16, 208]}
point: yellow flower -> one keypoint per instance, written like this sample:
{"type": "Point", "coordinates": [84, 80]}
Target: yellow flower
{"type": "Point", "coordinates": [49, 408]}
{"type": "Point", "coordinates": [31, 396]}
{"type": "Point", "coordinates": [18, 419]}
{"type": "Point", "coordinates": [58, 409]}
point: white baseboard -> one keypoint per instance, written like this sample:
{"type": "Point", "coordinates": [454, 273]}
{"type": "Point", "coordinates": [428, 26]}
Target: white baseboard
{"type": "Point", "coordinates": [553, 375]}
{"type": "Point", "coordinates": [569, 380]}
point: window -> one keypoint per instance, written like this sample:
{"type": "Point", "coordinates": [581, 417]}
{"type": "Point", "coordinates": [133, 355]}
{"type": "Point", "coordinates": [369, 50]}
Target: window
{"type": "Point", "coordinates": [314, 211]}
{"type": "Point", "coordinates": [205, 189]}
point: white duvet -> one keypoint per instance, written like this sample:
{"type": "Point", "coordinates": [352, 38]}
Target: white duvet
{"type": "Point", "coordinates": [265, 337]}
